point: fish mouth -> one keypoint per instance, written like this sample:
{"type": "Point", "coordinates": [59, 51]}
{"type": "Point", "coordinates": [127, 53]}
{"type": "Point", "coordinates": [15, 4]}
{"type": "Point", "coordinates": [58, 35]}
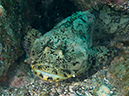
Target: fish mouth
{"type": "Point", "coordinates": [48, 76]}
{"type": "Point", "coordinates": [53, 74]}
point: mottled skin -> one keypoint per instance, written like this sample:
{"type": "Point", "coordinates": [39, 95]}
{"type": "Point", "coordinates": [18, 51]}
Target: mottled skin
{"type": "Point", "coordinates": [67, 49]}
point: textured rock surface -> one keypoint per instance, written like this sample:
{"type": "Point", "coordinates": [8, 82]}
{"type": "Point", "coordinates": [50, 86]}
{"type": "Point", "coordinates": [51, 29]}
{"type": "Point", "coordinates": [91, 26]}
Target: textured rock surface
{"type": "Point", "coordinates": [84, 5]}
{"type": "Point", "coordinates": [118, 71]}
{"type": "Point", "coordinates": [102, 82]}
{"type": "Point", "coordinates": [10, 48]}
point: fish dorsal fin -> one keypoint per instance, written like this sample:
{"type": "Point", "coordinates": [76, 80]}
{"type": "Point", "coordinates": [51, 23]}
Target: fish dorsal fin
{"type": "Point", "coordinates": [32, 35]}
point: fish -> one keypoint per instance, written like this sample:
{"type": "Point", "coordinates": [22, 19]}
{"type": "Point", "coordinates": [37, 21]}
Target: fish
{"type": "Point", "coordinates": [68, 49]}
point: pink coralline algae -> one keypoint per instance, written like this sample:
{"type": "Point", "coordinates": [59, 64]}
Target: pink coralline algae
{"type": "Point", "coordinates": [119, 1]}
{"type": "Point", "coordinates": [12, 29]}
{"type": "Point", "coordinates": [1, 11]}
{"type": "Point", "coordinates": [19, 80]}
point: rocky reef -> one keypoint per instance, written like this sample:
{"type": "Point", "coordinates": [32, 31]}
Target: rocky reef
{"type": "Point", "coordinates": [10, 36]}
{"type": "Point", "coordinates": [16, 77]}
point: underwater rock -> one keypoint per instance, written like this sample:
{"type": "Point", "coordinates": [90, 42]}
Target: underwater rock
{"type": "Point", "coordinates": [118, 72]}
{"type": "Point", "coordinates": [2, 11]}
{"type": "Point", "coordinates": [109, 24]}
{"type": "Point", "coordinates": [103, 91]}
{"type": "Point", "coordinates": [45, 14]}
{"type": "Point", "coordinates": [10, 48]}
{"type": "Point", "coordinates": [84, 5]}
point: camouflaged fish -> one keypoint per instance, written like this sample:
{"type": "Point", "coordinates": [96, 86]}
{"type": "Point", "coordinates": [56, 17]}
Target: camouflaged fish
{"type": "Point", "coordinates": [67, 50]}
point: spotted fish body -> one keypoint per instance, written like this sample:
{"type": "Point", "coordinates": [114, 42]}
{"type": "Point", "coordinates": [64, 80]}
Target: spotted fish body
{"type": "Point", "coordinates": [66, 50]}
{"type": "Point", "coordinates": [60, 52]}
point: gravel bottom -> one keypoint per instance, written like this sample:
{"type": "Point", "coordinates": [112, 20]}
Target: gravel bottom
{"type": "Point", "coordinates": [102, 83]}
{"type": "Point", "coordinates": [98, 85]}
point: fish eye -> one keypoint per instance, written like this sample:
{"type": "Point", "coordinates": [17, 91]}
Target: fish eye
{"type": "Point", "coordinates": [75, 63]}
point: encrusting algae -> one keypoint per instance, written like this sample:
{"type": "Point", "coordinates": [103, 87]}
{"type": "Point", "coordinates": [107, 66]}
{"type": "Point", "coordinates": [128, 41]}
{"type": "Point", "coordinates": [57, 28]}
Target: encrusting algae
{"type": "Point", "coordinates": [9, 43]}
{"type": "Point", "coordinates": [79, 46]}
